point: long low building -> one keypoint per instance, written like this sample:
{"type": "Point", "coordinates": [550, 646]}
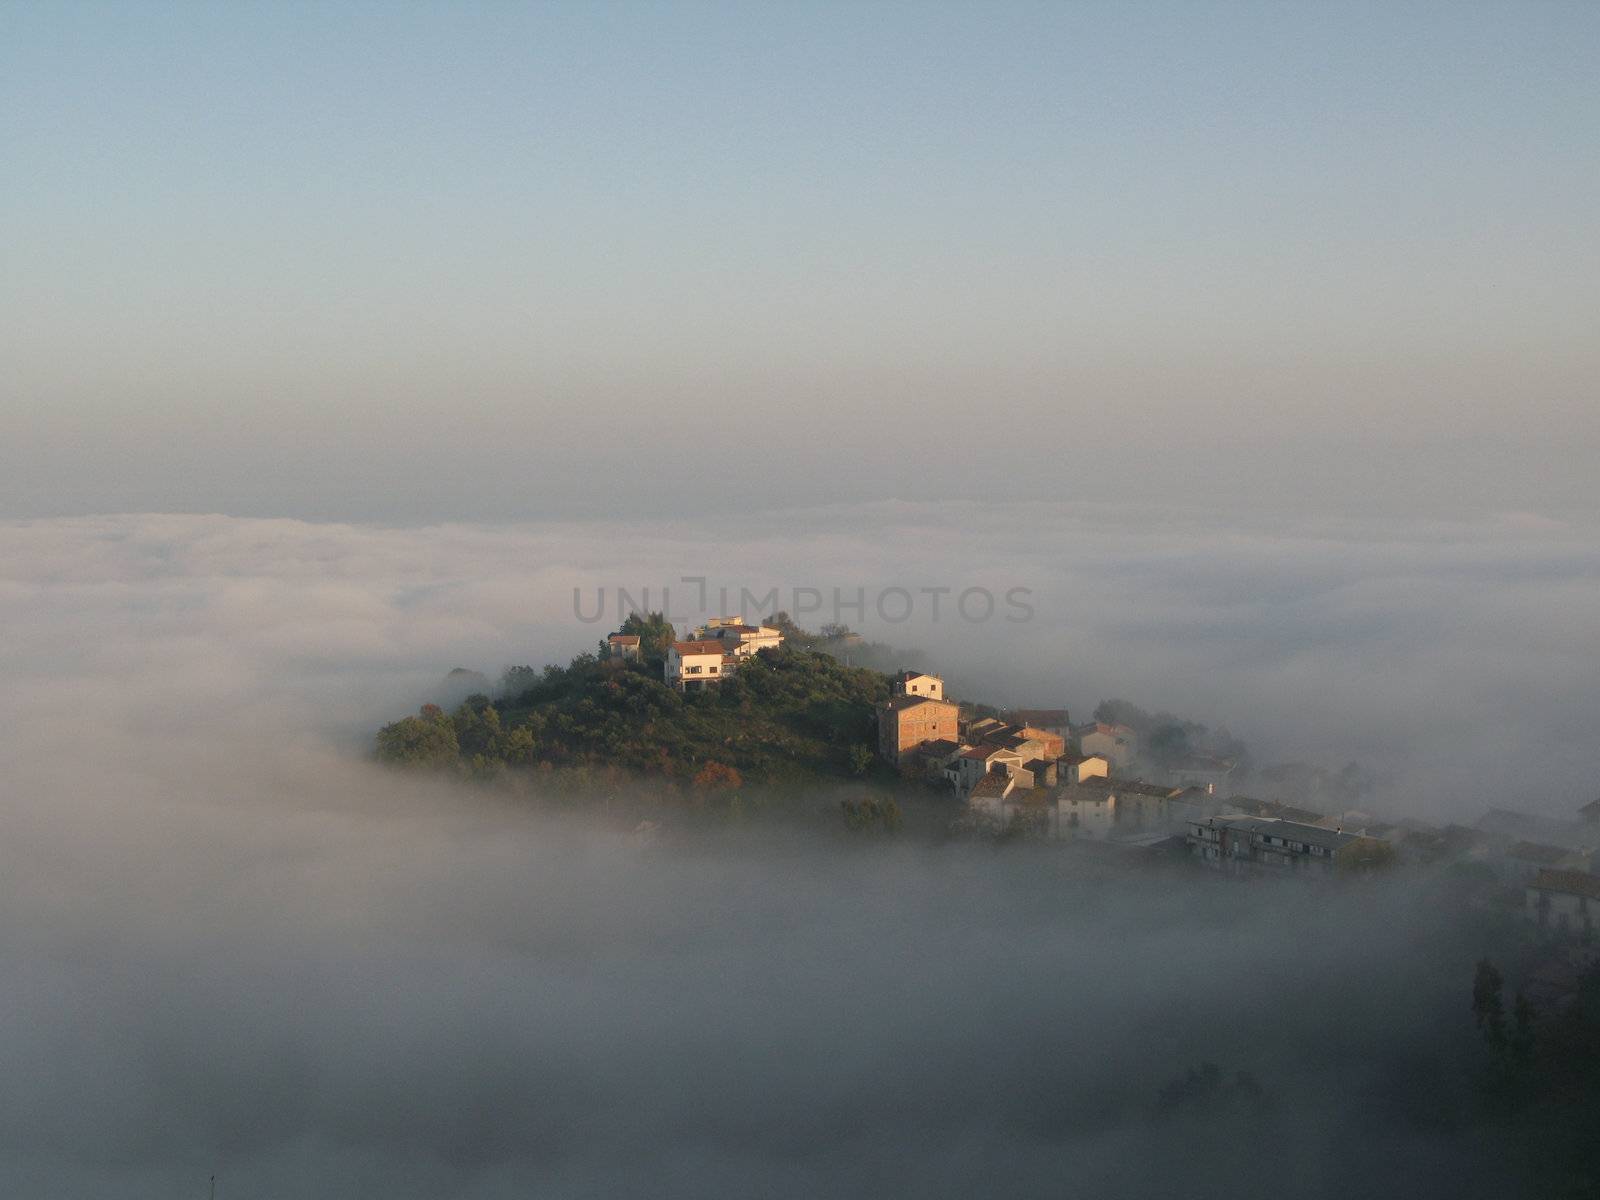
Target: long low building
{"type": "Point", "coordinates": [1235, 842]}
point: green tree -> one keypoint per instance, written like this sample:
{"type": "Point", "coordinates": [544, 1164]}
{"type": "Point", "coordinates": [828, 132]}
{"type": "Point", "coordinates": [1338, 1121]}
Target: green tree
{"type": "Point", "coordinates": [477, 726]}
{"type": "Point", "coordinates": [520, 747]}
{"type": "Point", "coordinates": [517, 680]}
{"type": "Point", "coordinates": [655, 634]}
{"type": "Point", "coordinates": [421, 741]}
{"type": "Point", "coordinates": [861, 759]}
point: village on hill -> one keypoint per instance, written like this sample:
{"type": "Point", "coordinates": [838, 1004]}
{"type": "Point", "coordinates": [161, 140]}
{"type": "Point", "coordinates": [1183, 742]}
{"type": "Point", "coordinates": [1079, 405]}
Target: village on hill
{"type": "Point", "coordinates": [1034, 772]}
{"type": "Point", "coordinates": [741, 708]}
{"type": "Point", "coordinates": [1036, 769]}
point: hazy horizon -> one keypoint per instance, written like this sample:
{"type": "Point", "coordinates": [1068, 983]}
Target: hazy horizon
{"type": "Point", "coordinates": [413, 263]}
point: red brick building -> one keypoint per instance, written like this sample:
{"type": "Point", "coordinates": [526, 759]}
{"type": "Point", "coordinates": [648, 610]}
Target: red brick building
{"type": "Point", "coordinates": [905, 722]}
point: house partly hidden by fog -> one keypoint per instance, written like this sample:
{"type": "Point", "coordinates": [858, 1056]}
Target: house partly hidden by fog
{"type": "Point", "coordinates": [1117, 744]}
{"type": "Point", "coordinates": [1241, 843]}
{"type": "Point", "coordinates": [1033, 769]}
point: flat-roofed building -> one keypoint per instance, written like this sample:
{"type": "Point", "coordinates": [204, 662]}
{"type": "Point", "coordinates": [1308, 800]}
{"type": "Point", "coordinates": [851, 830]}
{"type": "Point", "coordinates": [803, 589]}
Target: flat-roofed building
{"type": "Point", "coordinates": [738, 637]}
{"type": "Point", "coordinates": [1234, 842]}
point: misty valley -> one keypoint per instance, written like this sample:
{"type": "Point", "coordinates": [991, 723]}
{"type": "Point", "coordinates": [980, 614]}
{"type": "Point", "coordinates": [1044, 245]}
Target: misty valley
{"type": "Point", "coordinates": [1429, 993]}
{"type": "Point", "coordinates": [294, 905]}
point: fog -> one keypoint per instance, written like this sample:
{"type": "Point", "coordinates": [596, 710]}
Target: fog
{"type": "Point", "coordinates": [232, 945]}
{"type": "Point", "coordinates": [1452, 658]}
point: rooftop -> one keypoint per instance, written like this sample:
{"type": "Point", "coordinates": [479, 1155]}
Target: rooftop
{"type": "Point", "coordinates": [901, 703]}
{"type": "Point", "coordinates": [1034, 732]}
{"type": "Point", "coordinates": [708, 646]}
{"type": "Point", "coordinates": [1577, 883]}
{"type": "Point", "coordinates": [1294, 831]}
{"type": "Point", "coordinates": [990, 786]}
{"type": "Point", "coordinates": [1123, 787]}
{"type": "Point", "coordinates": [985, 753]}
{"type": "Point", "coordinates": [1071, 760]}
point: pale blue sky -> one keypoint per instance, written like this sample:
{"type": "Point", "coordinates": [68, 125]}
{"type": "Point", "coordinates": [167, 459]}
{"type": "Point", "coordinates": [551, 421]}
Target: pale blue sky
{"type": "Point", "coordinates": [403, 262]}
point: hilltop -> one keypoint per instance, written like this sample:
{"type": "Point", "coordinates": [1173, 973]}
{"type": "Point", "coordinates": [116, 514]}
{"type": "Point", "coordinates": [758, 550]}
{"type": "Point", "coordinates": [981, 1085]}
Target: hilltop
{"type": "Point", "coordinates": [789, 716]}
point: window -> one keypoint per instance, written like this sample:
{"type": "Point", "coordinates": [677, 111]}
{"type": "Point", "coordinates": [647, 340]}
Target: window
{"type": "Point", "coordinates": [691, 670]}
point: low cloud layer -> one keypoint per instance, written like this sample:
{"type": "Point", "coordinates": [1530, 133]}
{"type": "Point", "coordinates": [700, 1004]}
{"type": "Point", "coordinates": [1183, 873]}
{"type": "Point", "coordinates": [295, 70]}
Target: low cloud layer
{"type": "Point", "coordinates": [1452, 659]}
{"type": "Point", "coordinates": [232, 945]}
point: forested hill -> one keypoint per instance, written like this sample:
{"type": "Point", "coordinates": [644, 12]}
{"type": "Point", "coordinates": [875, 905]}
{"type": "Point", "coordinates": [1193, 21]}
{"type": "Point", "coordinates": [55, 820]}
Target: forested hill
{"type": "Point", "coordinates": [788, 716]}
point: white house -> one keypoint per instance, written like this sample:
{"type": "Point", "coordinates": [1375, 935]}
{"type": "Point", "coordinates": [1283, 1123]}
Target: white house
{"type": "Point", "coordinates": [693, 666]}
{"type": "Point", "coordinates": [739, 638]}
{"type": "Point", "coordinates": [915, 683]}
{"type": "Point", "coordinates": [969, 766]}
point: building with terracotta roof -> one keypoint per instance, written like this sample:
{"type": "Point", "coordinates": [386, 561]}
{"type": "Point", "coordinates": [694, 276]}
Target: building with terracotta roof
{"type": "Point", "coordinates": [623, 645]}
{"type": "Point", "coordinates": [697, 665]}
